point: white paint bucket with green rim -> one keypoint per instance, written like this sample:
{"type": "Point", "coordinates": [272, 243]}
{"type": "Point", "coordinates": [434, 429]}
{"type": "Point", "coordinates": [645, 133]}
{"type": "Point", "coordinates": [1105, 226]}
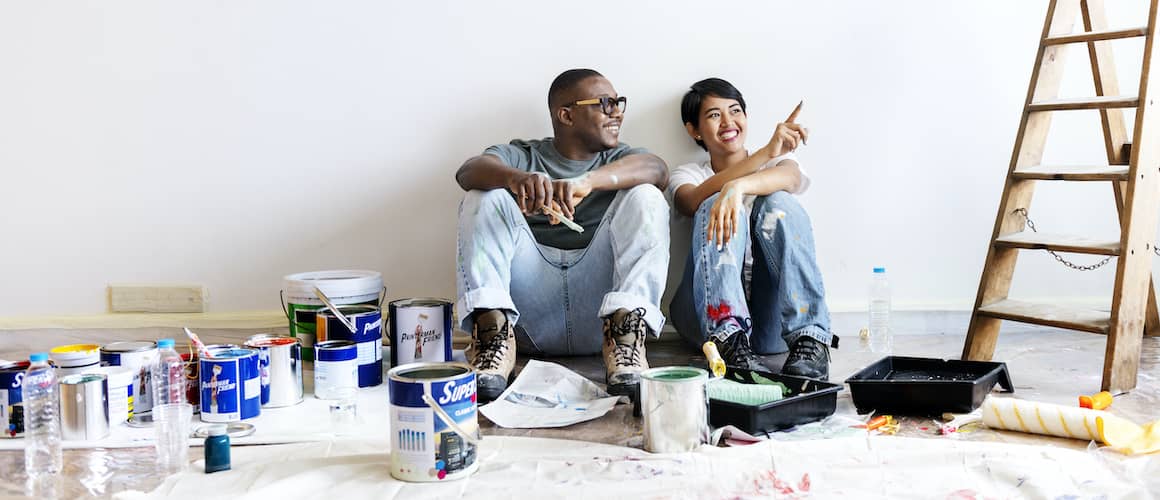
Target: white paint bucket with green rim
{"type": "Point", "coordinates": [342, 287]}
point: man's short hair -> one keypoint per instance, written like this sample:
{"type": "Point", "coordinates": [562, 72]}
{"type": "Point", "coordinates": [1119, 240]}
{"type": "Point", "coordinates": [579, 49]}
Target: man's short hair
{"type": "Point", "coordinates": [691, 103]}
{"type": "Point", "coordinates": [565, 82]}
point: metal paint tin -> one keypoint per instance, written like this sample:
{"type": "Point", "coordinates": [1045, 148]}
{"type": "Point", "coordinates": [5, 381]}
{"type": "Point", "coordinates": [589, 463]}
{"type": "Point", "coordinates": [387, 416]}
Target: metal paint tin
{"type": "Point", "coordinates": [368, 336]}
{"type": "Point", "coordinates": [345, 286]}
{"type": "Point", "coordinates": [84, 407]}
{"type": "Point", "coordinates": [335, 368]}
{"type": "Point", "coordinates": [231, 387]}
{"type": "Point", "coordinates": [11, 406]}
{"type": "Point", "coordinates": [675, 408]}
{"type": "Point", "coordinates": [75, 358]}
{"type": "Point", "coordinates": [120, 393]}
{"type": "Point", "coordinates": [423, 446]}
{"type": "Point", "coordinates": [138, 356]}
{"type": "Point", "coordinates": [280, 368]}
{"type": "Point", "coordinates": [420, 331]}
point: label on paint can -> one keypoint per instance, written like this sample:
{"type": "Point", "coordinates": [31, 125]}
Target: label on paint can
{"type": "Point", "coordinates": [231, 387]}
{"type": "Point", "coordinates": [423, 446]}
{"type": "Point", "coordinates": [420, 331]}
{"type": "Point", "coordinates": [11, 414]}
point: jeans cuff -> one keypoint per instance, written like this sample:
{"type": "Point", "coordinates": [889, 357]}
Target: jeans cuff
{"type": "Point", "coordinates": [620, 300]}
{"type": "Point", "coordinates": [814, 332]}
{"type": "Point", "coordinates": [726, 329]}
{"type": "Point", "coordinates": [484, 298]}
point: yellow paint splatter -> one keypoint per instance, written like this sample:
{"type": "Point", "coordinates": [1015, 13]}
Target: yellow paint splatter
{"type": "Point", "coordinates": [804, 309]}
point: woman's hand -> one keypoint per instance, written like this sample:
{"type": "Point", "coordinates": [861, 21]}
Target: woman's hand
{"type": "Point", "coordinates": [725, 213]}
{"type": "Point", "coordinates": [787, 136]}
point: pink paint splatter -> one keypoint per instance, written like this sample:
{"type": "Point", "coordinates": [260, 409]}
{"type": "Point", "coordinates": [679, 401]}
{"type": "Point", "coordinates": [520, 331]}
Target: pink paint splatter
{"type": "Point", "coordinates": [804, 485]}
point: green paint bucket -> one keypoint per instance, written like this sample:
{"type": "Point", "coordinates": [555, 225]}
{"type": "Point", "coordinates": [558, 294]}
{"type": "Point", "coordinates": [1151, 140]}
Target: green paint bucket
{"type": "Point", "coordinates": [342, 287]}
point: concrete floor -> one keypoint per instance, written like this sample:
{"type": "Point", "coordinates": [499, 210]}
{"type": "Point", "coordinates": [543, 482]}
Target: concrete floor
{"type": "Point", "coordinates": [1045, 364]}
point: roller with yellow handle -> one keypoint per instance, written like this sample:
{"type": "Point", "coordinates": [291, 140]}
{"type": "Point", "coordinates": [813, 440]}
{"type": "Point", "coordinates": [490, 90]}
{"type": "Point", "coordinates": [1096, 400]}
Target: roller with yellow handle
{"type": "Point", "coordinates": [716, 364]}
{"type": "Point", "coordinates": [1071, 422]}
{"type": "Point", "coordinates": [1098, 401]}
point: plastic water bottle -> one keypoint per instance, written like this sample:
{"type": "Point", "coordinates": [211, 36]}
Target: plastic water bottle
{"type": "Point", "coordinates": [168, 375]}
{"type": "Point", "coordinates": [41, 418]}
{"type": "Point", "coordinates": [881, 338]}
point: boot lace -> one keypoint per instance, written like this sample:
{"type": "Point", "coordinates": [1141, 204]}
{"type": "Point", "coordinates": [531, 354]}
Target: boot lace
{"type": "Point", "coordinates": [737, 349]}
{"type": "Point", "coordinates": [628, 354]}
{"type": "Point", "coordinates": [492, 350]}
{"type": "Point", "coordinates": [804, 349]}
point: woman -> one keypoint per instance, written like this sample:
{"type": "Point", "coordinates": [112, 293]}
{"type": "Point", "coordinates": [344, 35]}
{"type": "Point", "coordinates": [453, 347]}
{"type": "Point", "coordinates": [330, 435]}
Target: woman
{"type": "Point", "coordinates": [752, 283]}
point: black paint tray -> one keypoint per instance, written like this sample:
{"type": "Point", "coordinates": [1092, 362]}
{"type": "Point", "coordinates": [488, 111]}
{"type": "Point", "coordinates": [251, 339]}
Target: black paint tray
{"type": "Point", "coordinates": [809, 401]}
{"type": "Point", "coordinates": [926, 386]}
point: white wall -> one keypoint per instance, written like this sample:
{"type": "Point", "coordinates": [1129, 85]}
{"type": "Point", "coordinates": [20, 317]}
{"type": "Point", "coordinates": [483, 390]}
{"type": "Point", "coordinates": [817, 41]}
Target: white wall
{"type": "Point", "coordinates": [230, 143]}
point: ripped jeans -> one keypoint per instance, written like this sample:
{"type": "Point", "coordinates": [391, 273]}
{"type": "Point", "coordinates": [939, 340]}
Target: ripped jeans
{"type": "Point", "coordinates": [787, 299]}
{"type": "Point", "coordinates": [556, 297]}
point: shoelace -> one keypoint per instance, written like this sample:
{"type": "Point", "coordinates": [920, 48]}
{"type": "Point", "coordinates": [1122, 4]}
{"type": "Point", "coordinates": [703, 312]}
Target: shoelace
{"type": "Point", "coordinates": [628, 354]}
{"type": "Point", "coordinates": [806, 350]}
{"type": "Point", "coordinates": [738, 344]}
{"type": "Point", "coordinates": [491, 350]}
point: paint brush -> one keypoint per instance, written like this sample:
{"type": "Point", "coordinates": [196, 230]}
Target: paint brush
{"type": "Point", "coordinates": [560, 217]}
{"type": "Point", "coordinates": [334, 309]}
{"type": "Point", "coordinates": [198, 344]}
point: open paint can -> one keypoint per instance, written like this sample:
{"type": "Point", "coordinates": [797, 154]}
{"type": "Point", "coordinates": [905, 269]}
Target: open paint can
{"type": "Point", "coordinates": [280, 369]}
{"type": "Point", "coordinates": [434, 431]}
{"type": "Point", "coordinates": [420, 331]}
{"type": "Point", "coordinates": [231, 387]}
{"type": "Point", "coordinates": [84, 407]}
{"type": "Point", "coordinates": [367, 336]}
{"type": "Point", "coordinates": [342, 287]}
{"type": "Point", "coordinates": [335, 369]}
{"type": "Point", "coordinates": [675, 408]}
{"type": "Point", "coordinates": [75, 358]}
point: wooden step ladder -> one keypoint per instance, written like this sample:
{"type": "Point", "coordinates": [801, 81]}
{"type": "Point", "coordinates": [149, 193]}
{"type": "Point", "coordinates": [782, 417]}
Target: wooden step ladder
{"type": "Point", "coordinates": [1133, 169]}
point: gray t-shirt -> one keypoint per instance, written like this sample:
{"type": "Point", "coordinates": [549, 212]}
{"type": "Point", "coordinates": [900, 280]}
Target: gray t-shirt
{"type": "Point", "coordinates": [541, 156]}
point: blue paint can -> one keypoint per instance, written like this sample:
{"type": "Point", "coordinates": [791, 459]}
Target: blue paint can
{"type": "Point", "coordinates": [335, 368]}
{"type": "Point", "coordinates": [11, 407]}
{"type": "Point", "coordinates": [231, 385]}
{"type": "Point", "coordinates": [367, 336]}
{"type": "Point", "coordinates": [424, 446]}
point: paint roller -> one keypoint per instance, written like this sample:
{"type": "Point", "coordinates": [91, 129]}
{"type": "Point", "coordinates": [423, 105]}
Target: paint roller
{"type": "Point", "coordinates": [1071, 422]}
{"type": "Point", "coordinates": [723, 389]}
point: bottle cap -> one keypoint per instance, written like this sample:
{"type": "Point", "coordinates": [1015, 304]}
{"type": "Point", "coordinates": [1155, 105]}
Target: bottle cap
{"type": "Point", "coordinates": [37, 357]}
{"type": "Point", "coordinates": [217, 430]}
{"type": "Point", "coordinates": [879, 270]}
{"type": "Point", "coordinates": [163, 343]}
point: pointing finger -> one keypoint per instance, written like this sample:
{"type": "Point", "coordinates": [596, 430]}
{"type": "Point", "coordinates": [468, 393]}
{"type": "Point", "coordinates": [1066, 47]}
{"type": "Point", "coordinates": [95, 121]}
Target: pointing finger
{"type": "Point", "coordinates": [793, 116]}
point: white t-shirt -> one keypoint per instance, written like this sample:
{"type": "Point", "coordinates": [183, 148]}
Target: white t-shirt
{"type": "Point", "coordinates": [696, 173]}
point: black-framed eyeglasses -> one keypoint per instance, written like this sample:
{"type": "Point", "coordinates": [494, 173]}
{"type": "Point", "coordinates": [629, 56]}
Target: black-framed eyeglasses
{"type": "Point", "coordinates": [607, 104]}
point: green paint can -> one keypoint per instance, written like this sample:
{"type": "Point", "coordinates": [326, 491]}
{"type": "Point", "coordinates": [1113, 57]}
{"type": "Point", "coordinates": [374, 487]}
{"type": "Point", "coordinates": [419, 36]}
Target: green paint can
{"type": "Point", "coordinates": [342, 287]}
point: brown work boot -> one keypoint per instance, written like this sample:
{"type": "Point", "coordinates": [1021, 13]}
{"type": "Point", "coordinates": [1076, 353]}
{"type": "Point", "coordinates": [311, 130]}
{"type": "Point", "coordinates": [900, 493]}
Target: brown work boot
{"type": "Point", "coordinates": [492, 352]}
{"type": "Point", "coordinates": [624, 333]}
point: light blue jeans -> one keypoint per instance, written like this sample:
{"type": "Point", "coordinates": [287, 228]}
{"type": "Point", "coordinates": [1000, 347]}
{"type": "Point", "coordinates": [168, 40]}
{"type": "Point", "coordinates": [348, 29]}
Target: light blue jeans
{"type": "Point", "coordinates": [787, 299]}
{"type": "Point", "coordinates": [557, 297]}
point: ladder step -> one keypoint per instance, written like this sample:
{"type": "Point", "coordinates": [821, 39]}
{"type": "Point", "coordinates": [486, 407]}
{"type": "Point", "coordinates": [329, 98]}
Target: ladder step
{"type": "Point", "coordinates": [1073, 173]}
{"type": "Point", "coordinates": [1049, 315]}
{"type": "Point", "coordinates": [1095, 36]}
{"type": "Point", "coordinates": [1099, 102]}
{"type": "Point", "coordinates": [1058, 242]}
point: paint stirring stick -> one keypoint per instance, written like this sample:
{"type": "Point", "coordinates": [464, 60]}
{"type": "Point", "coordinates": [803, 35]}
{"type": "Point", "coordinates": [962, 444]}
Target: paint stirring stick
{"type": "Point", "coordinates": [559, 216]}
{"type": "Point", "coordinates": [329, 305]}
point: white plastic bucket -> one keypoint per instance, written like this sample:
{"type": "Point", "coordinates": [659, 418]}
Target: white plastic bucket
{"type": "Point", "coordinates": [347, 286]}
{"type": "Point", "coordinates": [75, 358]}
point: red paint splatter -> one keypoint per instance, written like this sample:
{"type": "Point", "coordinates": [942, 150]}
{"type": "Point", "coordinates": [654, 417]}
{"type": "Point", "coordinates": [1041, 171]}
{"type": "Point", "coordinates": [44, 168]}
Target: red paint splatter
{"type": "Point", "coordinates": [718, 313]}
{"type": "Point", "coordinates": [962, 495]}
{"type": "Point", "coordinates": [804, 485]}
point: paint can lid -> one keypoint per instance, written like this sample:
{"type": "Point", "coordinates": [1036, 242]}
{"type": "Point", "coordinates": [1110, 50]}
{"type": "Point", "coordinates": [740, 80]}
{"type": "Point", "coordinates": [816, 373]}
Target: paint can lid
{"type": "Point", "coordinates": [216, 430]}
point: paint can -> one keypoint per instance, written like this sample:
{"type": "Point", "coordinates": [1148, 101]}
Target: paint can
{"type": "Point", "coordinates": [231, 388]}
{"type": "Point", "coordinates": [120, 393]}
{"type": "Point", "coordinates": [11, 406]}
{"type": "Point", "coordinates": [280, 369]}
{"type": "Point", "coordinates": [138, 356]}
{"type": "Point", "coordinates": [420, 331]}
{"type": "Point", "coordinates": [84, 407]}
{"type": "Point", "coordinates": [335, 369]}
{"type": "Point", "coordinates": [75, 358]}
{"type": "Point", "coordinates": [367, 335]}
{"type": "Point", "coordinates": [425, 446]}
{"type": "Point", "coordinates": [342, 287]}
{"type": "Point", "coordinates": [675, 408]}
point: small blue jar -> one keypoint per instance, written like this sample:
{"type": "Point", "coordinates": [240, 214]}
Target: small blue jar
{"type": "Point", "coordinates": [217, 449]}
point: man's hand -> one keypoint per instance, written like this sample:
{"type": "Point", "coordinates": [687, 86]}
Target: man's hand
{"type": "Point", "coordinates": [532, 191]}
{"type": "Point", "coordinates": [787, 136]}
{"type": "Point", "coordinates": [567, 193]}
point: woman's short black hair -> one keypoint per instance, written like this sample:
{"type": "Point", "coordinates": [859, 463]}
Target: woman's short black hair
{"type": "Point", "coordinates": [691, 103]}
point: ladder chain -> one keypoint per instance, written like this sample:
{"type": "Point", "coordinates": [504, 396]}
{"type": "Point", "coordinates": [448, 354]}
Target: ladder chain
{"type": "Point", "coordinates": [1077, 267]}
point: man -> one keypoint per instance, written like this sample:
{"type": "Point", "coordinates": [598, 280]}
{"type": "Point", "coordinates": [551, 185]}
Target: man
{"type": "Point", "coordinates": [569, 291]}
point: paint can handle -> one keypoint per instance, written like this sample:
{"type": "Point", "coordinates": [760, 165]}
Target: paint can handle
{"type": "Point", "coordinates": [449, 421]}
